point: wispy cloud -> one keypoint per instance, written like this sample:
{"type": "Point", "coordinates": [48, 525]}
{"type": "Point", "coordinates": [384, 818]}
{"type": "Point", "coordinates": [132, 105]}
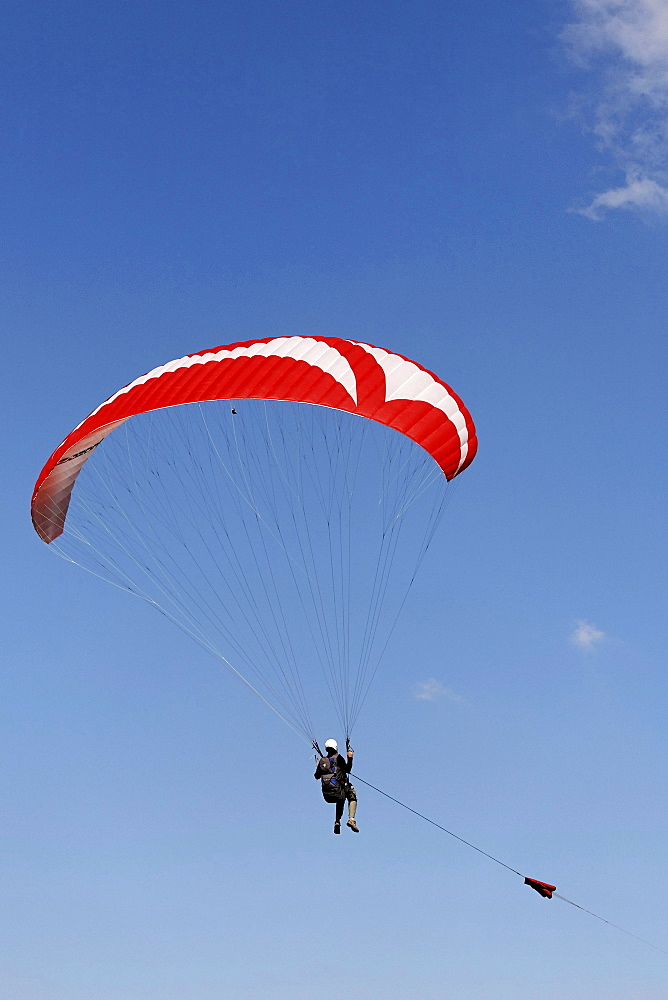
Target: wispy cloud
{"type": "Point", "coordinates": [624, 45]}
{"type": "Point", "coordinates": [432, 689]}
{"type": "Point", "coordinates": [586, 636]}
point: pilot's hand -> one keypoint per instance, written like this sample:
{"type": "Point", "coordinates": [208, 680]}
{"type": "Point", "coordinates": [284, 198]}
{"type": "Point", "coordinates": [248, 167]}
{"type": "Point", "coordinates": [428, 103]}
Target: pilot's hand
{"type": "Point", "coordinates": [351, 754]}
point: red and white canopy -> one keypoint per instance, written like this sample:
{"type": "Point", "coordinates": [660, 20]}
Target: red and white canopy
{"type": "Point", "coordinates": [326, 371]}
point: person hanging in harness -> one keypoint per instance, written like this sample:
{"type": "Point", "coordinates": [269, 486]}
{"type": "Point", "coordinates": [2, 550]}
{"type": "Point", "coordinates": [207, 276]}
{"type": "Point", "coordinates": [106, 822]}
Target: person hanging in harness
{"type": "Point", "coordinates": [333, 771]}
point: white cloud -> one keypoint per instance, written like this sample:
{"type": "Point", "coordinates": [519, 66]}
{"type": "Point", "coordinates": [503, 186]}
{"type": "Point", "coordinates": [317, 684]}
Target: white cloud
{"type": "Point", "coordinates": [624, 45]}
{"type": "Point", "coordinates": [640, 193]}
{"type": "Point", "coordinates": [432, 689]}
{"type": "Point", "coordinates": [586, 636]}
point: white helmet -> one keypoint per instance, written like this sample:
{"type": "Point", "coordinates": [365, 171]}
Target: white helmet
{"type": "Point", "coordinates": [331, 745]}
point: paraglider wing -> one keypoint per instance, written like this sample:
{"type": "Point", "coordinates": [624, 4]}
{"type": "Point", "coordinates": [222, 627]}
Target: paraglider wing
{"type": "Point", "coordinates": [326, 371]}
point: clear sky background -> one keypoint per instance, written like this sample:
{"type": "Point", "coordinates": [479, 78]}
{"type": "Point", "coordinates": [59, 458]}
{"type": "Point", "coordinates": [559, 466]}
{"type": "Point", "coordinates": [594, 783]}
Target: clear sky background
{"type": "Point", "coordinates": [482, 187]}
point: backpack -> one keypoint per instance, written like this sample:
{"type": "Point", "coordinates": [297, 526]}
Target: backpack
{"type": "Point", "coordinates": [333, 783]}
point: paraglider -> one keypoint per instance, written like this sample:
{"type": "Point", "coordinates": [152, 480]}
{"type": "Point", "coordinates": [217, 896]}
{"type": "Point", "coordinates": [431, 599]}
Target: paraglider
{"type": "Point", "coordinates": [281, 528]}
{"type": "Point", "coordinates": [333, 771]}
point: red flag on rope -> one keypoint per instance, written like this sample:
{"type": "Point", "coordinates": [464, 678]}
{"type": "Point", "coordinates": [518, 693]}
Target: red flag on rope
{"type": "Point", "coordinates": [543, 888]}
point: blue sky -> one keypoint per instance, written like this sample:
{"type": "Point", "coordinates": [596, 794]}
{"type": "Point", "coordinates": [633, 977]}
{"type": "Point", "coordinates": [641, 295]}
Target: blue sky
{"type": "Point", "coordinates": [483, 190]}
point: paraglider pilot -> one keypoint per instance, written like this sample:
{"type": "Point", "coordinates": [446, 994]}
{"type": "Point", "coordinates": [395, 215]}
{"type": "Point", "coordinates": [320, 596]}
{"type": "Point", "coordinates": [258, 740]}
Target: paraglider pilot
{"type": "Point", "coordinates": [333, 771]}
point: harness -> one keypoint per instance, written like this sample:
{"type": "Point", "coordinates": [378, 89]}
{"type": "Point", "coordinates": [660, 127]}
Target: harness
{"type": "Point", "coordinates": [334, 782]}
{"type": "Point", "coordinates": [334, 770]}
